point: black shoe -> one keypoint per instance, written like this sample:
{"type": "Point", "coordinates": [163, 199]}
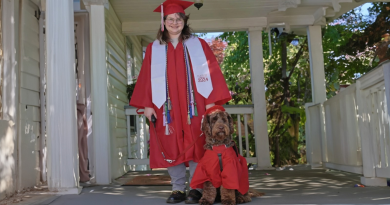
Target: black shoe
{"type": "Point", "coordinates": [193, 197]}
{"type": "Point", "coordinates": [176, 197]}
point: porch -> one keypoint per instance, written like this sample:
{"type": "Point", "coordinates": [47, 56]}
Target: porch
{"type": "Point", "coordinates": [302, 185]}
{"type": "Point", "coordinates": [110, 27]}
{"type": "Point", "coordinates": [350, 131]}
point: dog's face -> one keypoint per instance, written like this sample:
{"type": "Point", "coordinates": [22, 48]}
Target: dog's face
{"type": "Point", "coordinates": [218, 128]}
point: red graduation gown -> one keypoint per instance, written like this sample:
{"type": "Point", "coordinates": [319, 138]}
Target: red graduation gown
{"type": "Point", "coordinates": [233, 176]}
{"type": "Point", "coordinates": [182, 133]}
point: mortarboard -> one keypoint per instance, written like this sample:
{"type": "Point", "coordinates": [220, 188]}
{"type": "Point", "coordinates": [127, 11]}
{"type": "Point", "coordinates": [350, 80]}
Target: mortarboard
{"type": "Point", "coordinates": [214, 108]}
{"type": "Point", "coordinates": [170, 7]}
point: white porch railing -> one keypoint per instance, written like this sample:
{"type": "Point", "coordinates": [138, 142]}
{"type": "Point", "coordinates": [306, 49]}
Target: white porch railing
{"type": "Point", "coordinates": [350, 131]}
{"type": "Point", "coordinates": [138, 135]}
{"type": "Point", "coordinates": [314, 129]}
{"type": "Point", "coordinates": [137, 140]}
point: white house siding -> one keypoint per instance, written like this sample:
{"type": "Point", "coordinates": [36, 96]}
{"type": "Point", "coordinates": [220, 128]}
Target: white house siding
{"type": "Point", "coordinates": [29, 101]}
{"type": "Point", "coordinates": [117, 97]}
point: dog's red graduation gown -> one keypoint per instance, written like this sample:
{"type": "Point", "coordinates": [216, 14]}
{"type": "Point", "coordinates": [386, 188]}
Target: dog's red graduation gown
{"type": "Point", "coordinates": [233, 176]}
{"type": "Point", "coordinates": [182, 134]}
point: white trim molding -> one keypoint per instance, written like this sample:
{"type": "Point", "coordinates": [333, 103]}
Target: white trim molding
{"type": "Point", "coordinates": [207, 25]}
{"type": "Point", "coordinates": [88, 3]}
{"type": "Point", "coordinates": [285, 4]}
{"type": "Point", "coordinates": [336, 5]}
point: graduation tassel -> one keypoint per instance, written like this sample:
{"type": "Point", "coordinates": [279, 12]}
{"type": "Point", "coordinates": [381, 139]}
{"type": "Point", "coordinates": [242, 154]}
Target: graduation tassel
{"type": "Point", "coordinates": [192, 103]}
{"type": "Point", "coordinates": [166, 129]}
{"type": "Point", "coordinates": [196, 110]}
{"type": "Point", "coordinates": [188, 118]}
{"type": "Point", "coordinates": [162, 18]}
{"type": "Point", "coordinates": [169, 104]}
{"type": "Point", "coordinates": [165, 119]}
{"type": "Point", "coordinates": [168, 118]}
{"type": "Point", "coordinates": [192, 109]}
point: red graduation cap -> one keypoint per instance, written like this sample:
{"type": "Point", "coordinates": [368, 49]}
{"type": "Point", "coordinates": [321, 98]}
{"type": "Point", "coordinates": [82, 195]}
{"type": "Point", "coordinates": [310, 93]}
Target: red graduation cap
{"type": "Point", "coordinates": [214, 108]}
{"type": "Point", "coordinates": [171, 7]}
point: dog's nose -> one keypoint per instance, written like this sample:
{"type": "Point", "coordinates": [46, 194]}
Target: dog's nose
{"type": "Point", "coordinates": [220, 127]}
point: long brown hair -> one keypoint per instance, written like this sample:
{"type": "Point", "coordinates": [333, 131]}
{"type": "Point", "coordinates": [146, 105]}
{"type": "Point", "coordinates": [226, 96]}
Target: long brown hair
{"type": "Point", "coordinates": [186, 33]}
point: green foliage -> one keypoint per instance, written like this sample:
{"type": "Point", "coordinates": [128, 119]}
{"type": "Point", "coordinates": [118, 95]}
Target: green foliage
{"type": "Point", "coordinates": [130, 87]}
{"type": "Point", "coordinates": [237, 73]}
{"type": "Point", "coordinates": [348, 54]}
{"type": "Point", "coordinates": [292, 110]}
{"type": "Point", "coordinates": [236, 67]}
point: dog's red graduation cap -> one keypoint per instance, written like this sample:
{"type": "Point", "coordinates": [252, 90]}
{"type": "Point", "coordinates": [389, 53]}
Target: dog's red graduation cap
{"type": "Point", "coordinates": [214, 109]}
{"type": "Point", "coordinates": [171, 7]}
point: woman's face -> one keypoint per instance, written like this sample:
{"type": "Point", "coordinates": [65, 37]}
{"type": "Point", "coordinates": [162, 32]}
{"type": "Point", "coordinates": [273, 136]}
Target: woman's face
{"type": "Point", "coordinates": [174, 24]}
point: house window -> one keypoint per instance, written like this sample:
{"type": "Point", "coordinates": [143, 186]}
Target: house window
{"type": "Point", "coordinates": [129, 63]}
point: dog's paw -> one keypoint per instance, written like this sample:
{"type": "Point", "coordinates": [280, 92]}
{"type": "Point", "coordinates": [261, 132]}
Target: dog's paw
{"type": "Point", "coordinates": [228, 202]}
{"type": "Point", "coordinates": [241, 199]}
{"type": "Point", "coordinates": [203, 201]}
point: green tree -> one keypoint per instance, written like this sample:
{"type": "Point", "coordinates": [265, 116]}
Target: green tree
{"type": "Point", "coordinates": [349, 52]}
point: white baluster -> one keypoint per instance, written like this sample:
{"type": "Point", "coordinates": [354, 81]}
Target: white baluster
{"type": "Point", "coordinates": [239, 133]}
{"type": "Point", "coordinates": [128, 136]}
{"type": "Point", "coordinates": [246, 135]}
{"type": "Point", "coordinates": [138, 136]}
{"type": "Point", "coordinates": [145, 140]}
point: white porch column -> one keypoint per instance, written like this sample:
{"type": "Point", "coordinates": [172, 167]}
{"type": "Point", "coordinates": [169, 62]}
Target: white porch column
{"type": "Point", "coordinates": [258, 98]}
{"type": "Point", "coordinates": [318, 89]}
{"type": "Point", "coordinates": [317, 70]}
{"type": "Point", "coordinates": [62, 152]}
{"type": "Point", "coordinates": [100, 116]}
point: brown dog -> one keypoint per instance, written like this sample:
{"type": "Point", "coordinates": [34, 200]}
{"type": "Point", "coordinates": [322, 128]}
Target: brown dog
{"type": "Point", "coordinates": [221, 167]}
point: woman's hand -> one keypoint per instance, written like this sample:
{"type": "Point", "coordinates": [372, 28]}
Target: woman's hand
{"type": "Point", "coordinates": [148, 112]}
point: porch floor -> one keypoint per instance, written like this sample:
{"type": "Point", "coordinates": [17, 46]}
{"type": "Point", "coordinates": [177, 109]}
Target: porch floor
{"type": "Point", "coordinates": [299, 186]}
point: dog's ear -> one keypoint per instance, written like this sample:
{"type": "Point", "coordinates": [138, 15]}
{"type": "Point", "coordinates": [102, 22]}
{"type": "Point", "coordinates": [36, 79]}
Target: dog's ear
{"type": "Point", "coordinates": [231, 125]}
{"type": "Point", "coordinates": [206, 125]}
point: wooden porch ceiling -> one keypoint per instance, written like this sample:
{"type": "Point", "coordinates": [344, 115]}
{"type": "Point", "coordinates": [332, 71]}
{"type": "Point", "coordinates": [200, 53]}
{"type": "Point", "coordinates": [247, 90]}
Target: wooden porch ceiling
{"type": "Point", "coordinates": [227, 15]}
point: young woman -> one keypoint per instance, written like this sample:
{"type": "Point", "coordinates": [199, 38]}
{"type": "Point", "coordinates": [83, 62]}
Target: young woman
{"type": "Point", "coordinates": [180, 78]}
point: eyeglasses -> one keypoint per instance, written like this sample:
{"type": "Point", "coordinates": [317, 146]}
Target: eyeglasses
{"type": "Point", "coordinates": [178, 21]}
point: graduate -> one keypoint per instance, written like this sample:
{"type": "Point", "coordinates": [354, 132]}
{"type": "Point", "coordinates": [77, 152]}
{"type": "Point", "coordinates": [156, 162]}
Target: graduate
{"type": "Point", "coordinates": [180, 78]}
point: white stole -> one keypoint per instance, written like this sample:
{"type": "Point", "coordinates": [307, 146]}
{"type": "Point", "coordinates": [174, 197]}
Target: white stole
{"type": "Point", "coordinates": [199, 65]}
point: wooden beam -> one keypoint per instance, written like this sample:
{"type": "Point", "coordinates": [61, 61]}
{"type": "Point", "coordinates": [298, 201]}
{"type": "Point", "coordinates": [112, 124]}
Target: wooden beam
{"type": "Point", "coordinates": [209, 25]}
{"type": "Point", "coordinates": [296, 20]}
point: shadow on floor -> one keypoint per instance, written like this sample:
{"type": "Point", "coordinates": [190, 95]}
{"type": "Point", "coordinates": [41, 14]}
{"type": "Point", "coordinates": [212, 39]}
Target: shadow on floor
{"type": "Point", "coordinates": [298, 186]}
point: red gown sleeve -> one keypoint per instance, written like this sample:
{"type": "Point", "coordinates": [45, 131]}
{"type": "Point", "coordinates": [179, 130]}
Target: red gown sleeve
{"type": "Point", "coordinates": [220, 94]}
{"type": "Point", "coordinates": [142, 94]}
